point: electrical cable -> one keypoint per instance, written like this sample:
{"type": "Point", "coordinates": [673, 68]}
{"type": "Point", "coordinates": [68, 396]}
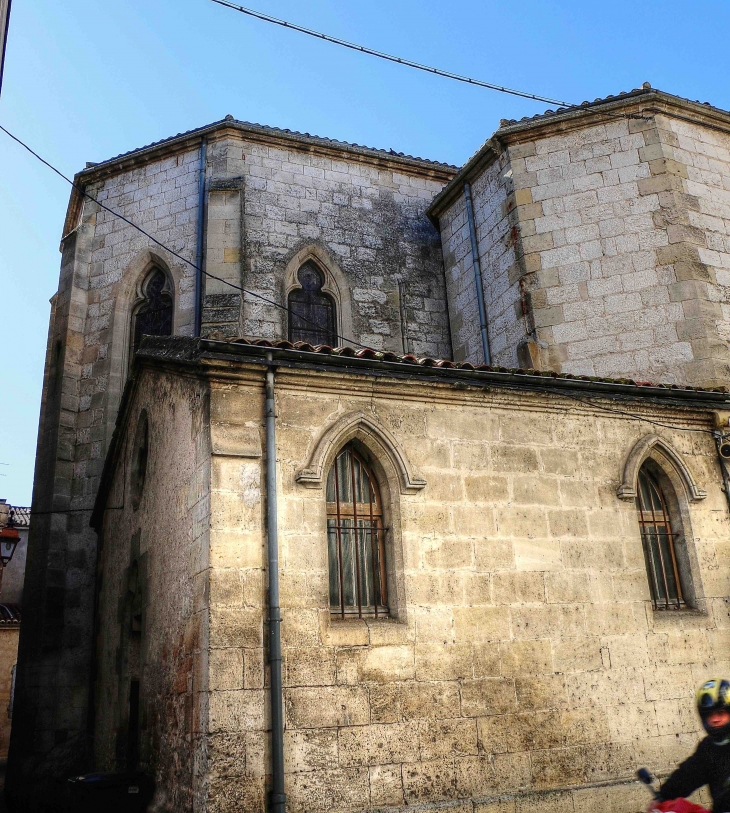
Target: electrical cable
{"type": "Point", "coordinates": [594, 405]}
{"type": "Point", "coordinates": [409, 63]}
{"type": "Point", "coordinates": [506, 385]}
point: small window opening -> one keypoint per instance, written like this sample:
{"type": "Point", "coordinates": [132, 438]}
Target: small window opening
{"type": "Point", "coordinates": [154, 316]}
{"type": "Point", "coordinates": [658, 539]}
{"type": "Point", "coordinates": [311, 312]}
{"type": "Point", "coordinates": [140, 454]}
{"type": "Point", "coordinates": [357, 568]}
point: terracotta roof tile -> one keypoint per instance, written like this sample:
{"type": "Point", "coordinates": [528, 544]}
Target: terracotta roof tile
{"type": "Point", "coordinates": [426, 361]}
{"type": "Point", "coordinates": [20, 516]}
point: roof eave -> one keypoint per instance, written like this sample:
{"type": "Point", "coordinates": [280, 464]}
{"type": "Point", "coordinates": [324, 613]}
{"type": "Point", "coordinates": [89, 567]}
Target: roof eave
{"type": "Point", "coordinates": [481, 160]}
{"type": "Point", "coordinates": [260, 133]}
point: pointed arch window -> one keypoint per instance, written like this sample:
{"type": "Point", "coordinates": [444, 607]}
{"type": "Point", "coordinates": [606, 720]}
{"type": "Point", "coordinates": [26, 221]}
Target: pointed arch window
{"type": "Point", "coordinates": [658, 537]}
{"type": "Point", "coordinates": [357, 567]}
{"type": "Point", "coordinates": [153, 317]}
{"type": "Point", "coordinates": [311, 311]}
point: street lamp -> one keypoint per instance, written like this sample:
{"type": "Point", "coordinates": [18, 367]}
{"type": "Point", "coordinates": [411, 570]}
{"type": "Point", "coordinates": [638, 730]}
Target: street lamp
{"type": "Point", "coordinates": [9, 538]}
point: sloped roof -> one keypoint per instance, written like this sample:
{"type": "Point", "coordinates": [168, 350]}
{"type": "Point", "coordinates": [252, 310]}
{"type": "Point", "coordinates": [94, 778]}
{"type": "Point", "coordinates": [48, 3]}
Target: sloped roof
{"type": "Point", "coordinates": [20, 516]}
{"type": "Point", "coordinates": [638, 101]}
{"type": "Point", "coordinates": [410, 360]}
{"type": "Point", "coordinates": [622, 96]}
{"type": "Point", "coordinates": [266, 130]}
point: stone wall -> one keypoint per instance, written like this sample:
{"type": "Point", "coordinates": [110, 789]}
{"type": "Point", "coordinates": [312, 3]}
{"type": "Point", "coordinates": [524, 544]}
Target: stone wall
{"type": "Point", "coordinates": [522, 656]}
{"type": "Point", "coordinates": [54, 651]}
{"type": "Point", "coordinates": [526, 656]}
{"type": "Point", "coordinates": [104, 262]}
{"type": "Point", "coordinates": [612, 234]}
{"type": "Point", "coordinates": [362, 215]}
{"type": "Point", "coordinates": [238, 722]}
{"type": "Point", "coordinates": [702, 274]}
{"type": "Point", "coordinates": [366, 223]}
{"type": "Point", "coordinates": [151, 616]}
{"type": "Point", "coordinates": [494, 220]}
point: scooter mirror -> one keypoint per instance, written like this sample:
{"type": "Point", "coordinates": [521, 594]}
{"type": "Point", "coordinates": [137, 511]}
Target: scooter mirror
{"type": "Point", "coordinates": [644, 776]}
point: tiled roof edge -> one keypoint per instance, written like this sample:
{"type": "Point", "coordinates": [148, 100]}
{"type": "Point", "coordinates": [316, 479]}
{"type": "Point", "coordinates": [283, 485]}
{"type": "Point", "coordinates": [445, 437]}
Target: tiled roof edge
{"type": "Point", "coordinates": [263, 130]}
{"type": "Point", "coordinates": [186, 349]}
{"type": "Point", "coordinates": [20, 515]}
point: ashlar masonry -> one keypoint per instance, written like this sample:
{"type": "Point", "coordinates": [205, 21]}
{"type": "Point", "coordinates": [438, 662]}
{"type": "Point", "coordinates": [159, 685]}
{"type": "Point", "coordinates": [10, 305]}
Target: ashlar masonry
{"type": "Point", "coordinates": [601, 233]}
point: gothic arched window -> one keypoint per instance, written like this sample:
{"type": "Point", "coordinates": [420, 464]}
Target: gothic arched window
{"type": "Point", "coordinates": [153, 317]}
{"type": "Point", "coordinates": [311, 312]}
{"type": "Point", "coordinates": [658, 537]}
{"type": "Point", "coordinates": [357, 568]}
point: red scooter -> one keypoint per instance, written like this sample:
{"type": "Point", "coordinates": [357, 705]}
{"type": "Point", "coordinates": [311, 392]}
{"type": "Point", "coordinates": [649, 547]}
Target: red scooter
{"type": "Point", "coordinates": [673, 806]}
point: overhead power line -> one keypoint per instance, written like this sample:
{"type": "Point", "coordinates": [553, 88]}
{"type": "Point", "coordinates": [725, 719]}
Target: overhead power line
{"type": "Point", "coordinates": [409, 63]}
{"type": "Point", "coordinates": [381, 55]}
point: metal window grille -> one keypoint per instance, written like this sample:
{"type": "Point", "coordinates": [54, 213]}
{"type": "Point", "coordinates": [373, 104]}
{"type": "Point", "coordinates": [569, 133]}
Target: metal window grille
{"type": "Point", "coordinates": [658, 541]}
{"type": "Point", "coordinates": [357, 578]}
{"type": "Point", "coordinates": [311, 312]}
{"type": "Point", "coordinates": [154, 316]}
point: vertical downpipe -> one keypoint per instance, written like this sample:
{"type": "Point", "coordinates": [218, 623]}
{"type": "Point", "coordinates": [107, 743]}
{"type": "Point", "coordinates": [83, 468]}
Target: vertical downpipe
{"type": "Point", "coordinates": [200, 252]}
{"type": "Point", "coordinates": [278, 797]}
{"type": "Point", "coordinates": [476, 263]}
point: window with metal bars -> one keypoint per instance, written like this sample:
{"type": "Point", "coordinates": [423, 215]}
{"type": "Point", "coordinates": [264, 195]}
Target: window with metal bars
{"type": "Point", "coordinates": [357, 567]}
{"type": "Point", "coordinates": [154, 316]}
{"type": "Point", "coordinates": [658, 540]}
{"type": "Point", "coordinates": [311, 312]}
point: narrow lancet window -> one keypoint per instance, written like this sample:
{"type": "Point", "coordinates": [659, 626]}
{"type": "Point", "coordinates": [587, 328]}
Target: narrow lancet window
{"type": "Point", "coordinates": [311, 312]}
{"type": "Point", "coordinates": [357, 572]}
{"type": "Point", "coordinates": [658, 539]}
{"type": "Point", "coordinates": [154, 316]}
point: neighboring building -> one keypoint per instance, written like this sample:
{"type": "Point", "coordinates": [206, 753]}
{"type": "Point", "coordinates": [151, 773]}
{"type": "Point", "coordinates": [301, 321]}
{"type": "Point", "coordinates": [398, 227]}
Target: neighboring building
{"type": "Point", "coordinates": [15, 522]}
{"type": "Point", "coordinates": [4, 25]}
{"type": "Point", "coordinates": [525, 642]}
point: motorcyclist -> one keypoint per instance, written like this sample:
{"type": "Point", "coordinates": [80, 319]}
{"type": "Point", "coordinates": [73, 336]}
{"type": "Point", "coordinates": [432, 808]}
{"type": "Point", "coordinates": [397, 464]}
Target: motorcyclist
{"type": "Point", "coordinates": [710, 763]}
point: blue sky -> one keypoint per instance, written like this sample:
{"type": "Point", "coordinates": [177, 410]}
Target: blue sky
{"type": "Point", "coordinates": [86, 80]}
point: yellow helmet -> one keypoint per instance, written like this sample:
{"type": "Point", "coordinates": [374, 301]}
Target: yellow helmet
{"type": "Point", "coordinates": [714, 695]}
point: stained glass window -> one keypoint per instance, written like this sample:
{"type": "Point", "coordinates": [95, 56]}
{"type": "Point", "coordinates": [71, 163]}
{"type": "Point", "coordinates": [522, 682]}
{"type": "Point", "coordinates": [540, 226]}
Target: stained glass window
{"type": "Point", "coordinates": [154, 315]}
{"type": "Point", "coordinates": [357, 574]}
{"type": "Point", "coordinates": [658, 537]}
{"type": "Point", "coordinates": [311, 312]}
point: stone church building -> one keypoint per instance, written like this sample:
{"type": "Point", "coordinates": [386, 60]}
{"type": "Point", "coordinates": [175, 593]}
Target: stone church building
{"type": "Point", "coordinates": [452, 437]}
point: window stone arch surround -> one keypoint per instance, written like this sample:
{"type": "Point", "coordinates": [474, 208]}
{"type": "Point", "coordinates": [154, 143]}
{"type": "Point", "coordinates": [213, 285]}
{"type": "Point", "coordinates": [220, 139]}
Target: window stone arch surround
{"type": "Point", "coordinates": [375, 436]}
{"type": "Point", "coordinates": [655, 446]}
{"type": "Point", "coordinates": [395, 478]}
{"type": "Point", "coordinates": [680, 490]}
{"type": "Point", "coordinates": [128, 295]}
{"type": "Point", "coordinates": [145, 294]}
{"type": "Point", "coordinates": [335, 285]}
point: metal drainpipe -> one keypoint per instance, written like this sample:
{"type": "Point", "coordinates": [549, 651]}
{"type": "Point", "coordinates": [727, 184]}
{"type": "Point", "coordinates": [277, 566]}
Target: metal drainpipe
{"type": "Point", "coordinates": [199, 254]}
{"type": "Point", "coordinates": [477, 273]}
{"type": "Point", "coordinates": [278, 797]}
